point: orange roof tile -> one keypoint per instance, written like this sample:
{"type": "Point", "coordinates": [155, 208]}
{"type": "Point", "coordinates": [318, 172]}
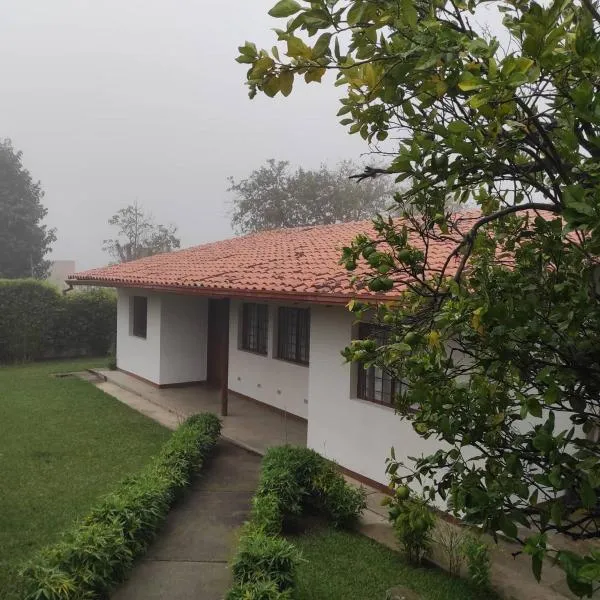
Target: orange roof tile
{"type": "Point", "coordinates": [302, 263]}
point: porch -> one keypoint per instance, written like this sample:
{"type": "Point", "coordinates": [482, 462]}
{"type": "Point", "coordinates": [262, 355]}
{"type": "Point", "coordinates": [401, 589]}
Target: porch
{"type": "Point", "coordinates": [254, 425]}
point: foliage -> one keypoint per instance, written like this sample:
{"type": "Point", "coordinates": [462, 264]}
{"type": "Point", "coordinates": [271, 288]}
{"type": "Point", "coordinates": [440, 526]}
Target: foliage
{"type": "Point", "coordinates": [258, 590]}
{"type": "Point", "coordinates": [497, 343]}
{"type": "Point", "coordinates": [273, 197]}
{"type": "Point", "coordinates": [59, 455]}
{"type": "Point", "coordinates": [24, 240]}
{"type": "Point", "coordinates": [139, 235]}
{"type": "Point", "coordinates": [100, 550]}
{"type": "Point", "coordinates": [292, 481]}
{"type": "Point", "coordinates": [413, 523]}
{"type": "Point", "coordinates": [37, 321]}
{"type": "Point", "coordinates": [301, 479]}
{"type": "Point", "coordinates": [262, 557]}
{"type": "Point", "coordinates": [477, 553]}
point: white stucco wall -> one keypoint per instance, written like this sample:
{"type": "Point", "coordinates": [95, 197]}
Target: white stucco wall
{"type": "Point", "coordinates": [183, 334]}
{"type": "Point", "coordinates": [174, 350]}
{"type": "Point", "coordinates": [276, 382]}
{"type": "Point", "coordinates": [356, 434]}
{"type": "Point", "coordinates": [138, 355]}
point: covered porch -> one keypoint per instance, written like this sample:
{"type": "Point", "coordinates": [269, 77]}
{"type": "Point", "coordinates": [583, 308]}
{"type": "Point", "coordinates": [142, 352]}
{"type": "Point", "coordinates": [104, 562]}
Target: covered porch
{"type": "Point", "coordinates": [254, 425]}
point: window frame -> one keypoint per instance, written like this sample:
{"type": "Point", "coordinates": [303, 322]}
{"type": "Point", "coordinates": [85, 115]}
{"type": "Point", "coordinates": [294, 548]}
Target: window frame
{"type": "Point", "coordinates": [365, 389]}
{"type": "Point", "coordinates": [139, 329]}
{"type": "Point", "coordinates": [301, 338]}
{"type": "Point", "coordinates": [261, 334]}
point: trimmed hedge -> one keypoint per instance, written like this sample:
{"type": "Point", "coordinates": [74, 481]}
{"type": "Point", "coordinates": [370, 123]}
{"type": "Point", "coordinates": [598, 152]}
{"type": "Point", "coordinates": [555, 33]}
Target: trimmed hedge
{"type": "Point", "coordinates": [293, 481]}
{"type": "Point", "coordinates": [99, 552]}
{"type": "Point", "coordinates": [37, 321]}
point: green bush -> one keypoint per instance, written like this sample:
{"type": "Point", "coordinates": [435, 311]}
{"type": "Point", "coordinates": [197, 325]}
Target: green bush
{"type": "Point", "coordinates": [100, 550]}
{"type": "Point", "coordinates": [37, 321]}
{"type": "Point", "coordinates": [477, 553]}
{"type": "Point", "coordinates": [413, 523]}
{"type": "Point", "coordinates": [258, 590]}
{"type": "Point", "coordinates": [262, 557]}
{"type": "Point", "coordinates": [292, 482]}
{"type": "Point", "coordinates": [302, 479]}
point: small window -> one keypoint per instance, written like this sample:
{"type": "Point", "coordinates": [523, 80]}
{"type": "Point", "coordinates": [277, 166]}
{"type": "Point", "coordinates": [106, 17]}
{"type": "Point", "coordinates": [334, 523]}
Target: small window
{"type": "Point", "coordinates": [255, 323]}
{"type": "Point", "coordinates": [139, 316]}
{"type": "Point", "coordinates": [293, 334]}
{"type": "Point", "coordinates": [375, 384]}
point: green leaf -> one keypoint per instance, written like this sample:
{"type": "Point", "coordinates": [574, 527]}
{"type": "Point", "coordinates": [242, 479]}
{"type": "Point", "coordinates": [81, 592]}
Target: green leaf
{"type": "Point", "coordinates": [591, 572]}
{"type": "Point", "coordinates": [296, 48]}
{"type": "Point", "coordinates": [322, 45]}
{"type": "Point", "coordinates": [271, 86]}
{"type": "Point", "coordinates": [408, 12]}
{"type": "Point", "coordinates": [285, 8]}
{"type": "Point", "coordinates": [508, 527]}
{"type": "Point", "coordinates": [587, 494]}
{"type": "Point", "coordinates": [536, 566]}
{"type": "Point", "coordinates": [469, 82]}
{"type": "Point", "coordinates": [286, 82]}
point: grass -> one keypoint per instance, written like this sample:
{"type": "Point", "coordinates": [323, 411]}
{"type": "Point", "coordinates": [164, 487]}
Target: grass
{"type": "Point", "coordinates": [64, 444]}
{"type": "Point", "coordinates": [340, 565]}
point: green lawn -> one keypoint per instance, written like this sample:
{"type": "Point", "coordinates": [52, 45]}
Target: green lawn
{"type": "Point", "coordinates": [341, 565]}
{"type": "Point", "coordinates": [63, 444]}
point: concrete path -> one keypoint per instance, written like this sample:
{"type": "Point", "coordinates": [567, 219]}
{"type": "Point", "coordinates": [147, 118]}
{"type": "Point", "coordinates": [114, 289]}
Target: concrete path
{"type": "Point", "coordinates": [189, 559]}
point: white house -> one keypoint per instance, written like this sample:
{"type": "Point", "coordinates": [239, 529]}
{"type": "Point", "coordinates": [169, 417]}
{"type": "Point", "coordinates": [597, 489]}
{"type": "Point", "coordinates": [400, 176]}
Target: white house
{"type": "Point", "coordinates": [264, 316]}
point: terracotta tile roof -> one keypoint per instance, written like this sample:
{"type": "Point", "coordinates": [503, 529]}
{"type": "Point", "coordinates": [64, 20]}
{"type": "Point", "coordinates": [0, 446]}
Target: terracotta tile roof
{"type": "Point", "coordinates": [301, 262]}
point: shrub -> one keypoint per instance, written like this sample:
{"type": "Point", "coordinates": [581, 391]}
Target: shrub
{"type": "Point", "coordinates": [262, 557]}
{"type": "Point", "coordinates": [413, 523]}
{"type": "Point", "coordinates": [258, 590]}
{"type": "Point", "coordinates": [292, 481]}
{"type": "Point", "coordinates": [295, 479]}
{"type": "Point", "coordinates": [99, 551]}
{"type": "Point", "coordinates": [37, 321]}
{"type": "Point", "coordinates": [477, 553]}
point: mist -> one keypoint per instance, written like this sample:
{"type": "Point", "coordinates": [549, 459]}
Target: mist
{"type": "Point", "coordinates": [115, 101]}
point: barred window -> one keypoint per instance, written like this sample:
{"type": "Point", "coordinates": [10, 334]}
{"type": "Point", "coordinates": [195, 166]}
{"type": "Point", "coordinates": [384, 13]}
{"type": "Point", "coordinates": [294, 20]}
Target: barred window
{"type": "Point", "coordinates": [375, 384]}
{"type": "Point", "coordinates": [139, 316]}
{"type": "Point", "coordinates": [255, 324]}
{"type": "Point", "coordinates": [293, 334]}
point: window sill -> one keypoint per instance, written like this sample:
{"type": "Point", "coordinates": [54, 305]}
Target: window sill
{"type": "Point", "coordinates": [255, 352]}
{"type": "Point", "coordinates": [139, 337]}
{"type": "Point", "coordinates": [292, 362]}
{"type": "Point", "coordinates": [383, 405]}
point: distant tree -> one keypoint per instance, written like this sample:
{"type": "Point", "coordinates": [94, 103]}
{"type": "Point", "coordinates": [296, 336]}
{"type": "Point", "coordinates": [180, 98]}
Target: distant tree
{"type": "Point", "coordinates": [274, 196]}
{"type": "Point", "coordinates": [24, 241]}
{"type": "Point", "coordinates": [138, 235]}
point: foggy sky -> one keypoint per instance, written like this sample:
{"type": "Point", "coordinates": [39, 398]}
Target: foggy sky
{"type": "Point", "coordinates": [113, 100]}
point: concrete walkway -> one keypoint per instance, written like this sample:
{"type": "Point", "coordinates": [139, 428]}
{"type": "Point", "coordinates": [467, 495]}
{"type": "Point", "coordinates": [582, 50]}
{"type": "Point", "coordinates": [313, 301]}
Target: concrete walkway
{"type": "Point", "coordinates": [189, 559]}
{"type": "Point", "coordinates": [254, 425]}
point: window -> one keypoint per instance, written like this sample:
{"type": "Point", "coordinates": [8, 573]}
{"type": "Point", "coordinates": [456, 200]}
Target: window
{"type": "Point", "coordinates": [374, 384]}
{"type": "Point", "coordinates": [293, 334]}
{"type": "Point", "coordinates": [255, 323]}
{"type": "Point", "coordinates": [139, 317]}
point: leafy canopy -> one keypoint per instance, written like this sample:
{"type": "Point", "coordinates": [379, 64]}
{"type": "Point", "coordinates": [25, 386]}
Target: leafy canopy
{"type": "Point", "coordinates": [139, 236]}
{"type": "Point", "coordinates": [273, 196]}
{"type": "Point", "coordinates": [24, 239]}
{"type": "Point", "coordinates": [498, 349]}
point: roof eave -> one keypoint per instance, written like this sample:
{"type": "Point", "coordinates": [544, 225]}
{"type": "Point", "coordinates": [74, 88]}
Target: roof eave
{"type": "Point", "coordinates": [314, 298]}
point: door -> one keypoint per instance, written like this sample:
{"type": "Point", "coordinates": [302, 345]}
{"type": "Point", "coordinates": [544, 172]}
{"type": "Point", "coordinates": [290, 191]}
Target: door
{"type": "Point", "coordinates": [218, 342]}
